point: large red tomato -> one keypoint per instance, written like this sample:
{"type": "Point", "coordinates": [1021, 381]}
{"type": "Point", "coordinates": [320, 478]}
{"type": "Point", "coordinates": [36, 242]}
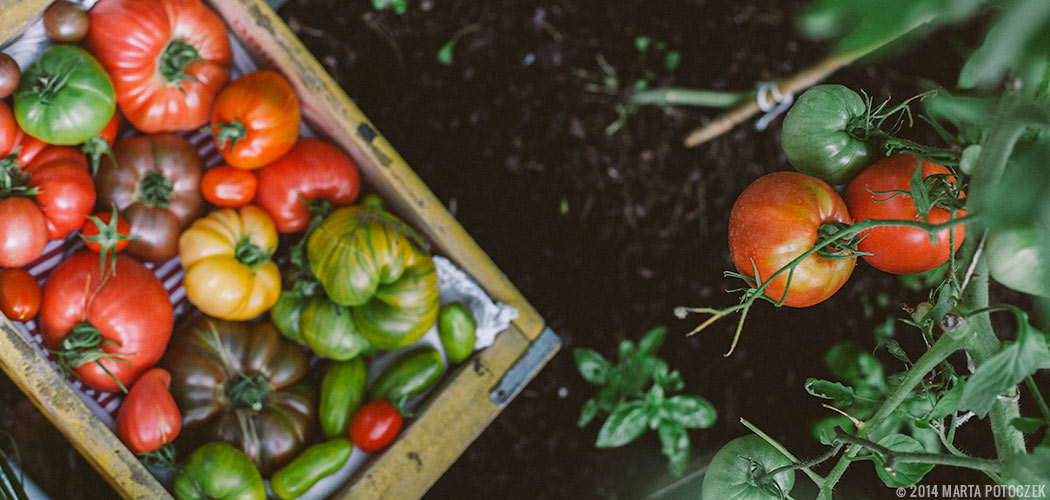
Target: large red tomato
{"type": "Point", "coordinates": [899, 249]}
{"type": "Point", "coordinates": [168, 59]}
{"type": "Point", "coordinates": [776, 219]}
{"type": "Point", "coordinates": [119, 325]}
{"type": "Point", "coordinates": [66, 191]}
{"type": "Point", "coordinates": [313, 171]}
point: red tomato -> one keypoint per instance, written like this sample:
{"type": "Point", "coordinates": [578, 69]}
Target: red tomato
{"type": "Point", "coordinates": [9, 130]}
{"type": "Point", "coordinates": [102, 144]}
{"type": "Point", "coordinates": [109, 239]}
{"type": "Point", "coordinates": [148, 418]}
{"type": "Point", "coordinates": [168, 59]}
{"type": "Point", "coordinates": [228, 186]}
{"type": "Point", "coordinates": [898, 249]}
{"type": "Point", "coordinates": [375, 425]}
{"type": "Point", "coordinates": [312, 170]}
{"type": "Point", "coordinates": [23, 231]}
{"type": "Point", "coordinates": [775, 220]}
{"type": "Point", "coordinates": [67, 192]}
{"type": "Point", "coordinates": [19, 295]}
{"type": "Point", "coordinates": [256, 119]}
{"type": "Point", "coordinates": [131, 308]}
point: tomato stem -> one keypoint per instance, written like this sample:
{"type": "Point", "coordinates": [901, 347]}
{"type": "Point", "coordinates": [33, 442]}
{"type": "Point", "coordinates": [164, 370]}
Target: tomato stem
{"type": "Point", "coordinates": [228, 133]}
{"type": "Point", "coordinates": [250, 254]}
{"type": "Point", "coordinates": [178, 55]}
{"type": "Point", "coordinates": [94, 148]}
{"type": "Point", "coordinates": [155, 190]}
{"type": "Point", "coordinates": [84, 345]}
{"type": "Point", "coordinates": [892, 457]}
{"type": "Point", "coordinates": [107, 238]}
{"type": "Point", "coordinates": [249, 391]}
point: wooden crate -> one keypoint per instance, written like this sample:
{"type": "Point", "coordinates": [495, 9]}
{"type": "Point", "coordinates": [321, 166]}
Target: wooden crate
{"type": "Point", "coordinates": [469, 397]}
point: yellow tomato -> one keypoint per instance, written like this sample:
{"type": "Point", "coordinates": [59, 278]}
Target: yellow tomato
{"type": "Point", "coordinates": [229, 274]}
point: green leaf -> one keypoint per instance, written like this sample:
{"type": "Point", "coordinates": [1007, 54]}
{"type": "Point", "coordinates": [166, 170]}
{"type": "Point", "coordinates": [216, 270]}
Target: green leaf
{"type": "Point", "coordinates": [399, 6]}
{"type": "Point", "coordinates": [830, 390]}
{"type": "Point", "coordinates": [894, 348]}
{"type": "Point", "coordinates": [903, 474]}
{"type": "Point", "coordinates": [854, 366]}
{"type": "Point", "coordinates": [672, 60]}
{"type": "Point", "coordinates": [674, 443]}
{"type": "Point", "coordinates": [444, 54]}
{"type": "Point", "coordinates": [1004, 370]}
{"type": "Point", "coordinates": [588, 412]}
{"type": "Point", "coordinates": [625, 424]}
{"type": "Point", "coordinates": [969, 158]}
{"type": "Point", "coordinates": [1029, 469]}
{"type": "Point", "coordinates": [1016, 40]}
{"type": "Point", "coordinates": [652, 340]}
{"type": "Point", "coordinates": [1028, 425]}
{"type": "Point", "coordinates": [692, 412]}
{"type": "Point", "coordinates": [641, 43]}
{"type": "Point", "coordinates": [948, 404]}
{"type": "Point", "coordinates": [824, 428]}
{"type": "Point", "coordinates": [592, 366]}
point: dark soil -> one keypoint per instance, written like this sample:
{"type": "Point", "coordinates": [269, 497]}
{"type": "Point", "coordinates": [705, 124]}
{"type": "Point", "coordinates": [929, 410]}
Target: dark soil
{"type": "Point", "coordinates": [606, 234]}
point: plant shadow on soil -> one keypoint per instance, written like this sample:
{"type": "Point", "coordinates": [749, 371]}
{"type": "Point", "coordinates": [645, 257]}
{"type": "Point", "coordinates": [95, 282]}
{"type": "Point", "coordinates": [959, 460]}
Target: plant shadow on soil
{"type": "Point", "coordinates": [606, 234]}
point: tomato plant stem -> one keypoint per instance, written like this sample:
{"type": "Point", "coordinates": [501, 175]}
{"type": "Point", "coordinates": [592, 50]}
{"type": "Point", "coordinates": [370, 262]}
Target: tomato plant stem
{"type": "Point", "coordinates": [896, 457]}
{"type": "Point", "coordinates": [689, 97]}
{"type": "Point", "coordinates": [798, 464]}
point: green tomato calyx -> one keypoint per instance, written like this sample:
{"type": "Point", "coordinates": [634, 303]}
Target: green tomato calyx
{"type": "Point", "coordinates": [155, 190]}
{"type": "Point", "coordinates": [228, 134]}
{"type": "Point", "coordinates": [85, 345]}
{"type": "Point", "coordinates": [177, 56]}
{"type": "Point", "coordinates": [249, 391]}
{"type": "Point", "coordinates": [250, 254]}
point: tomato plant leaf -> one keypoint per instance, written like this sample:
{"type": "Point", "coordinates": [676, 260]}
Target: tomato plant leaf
{"type": "Point", "coordinates": [851, 365]}
{"type": "Point", "coordinates": [894, 348]}
{"type": "Point", "coordinates": [691, 412]}
{"type": "Point", "coordinates": [592, 366]}
{"type": "Point", "coordinates": [1005, 369]}
{"type": "Point", "coordinates": [948, 403]}
{"type": "Point", "coordinates": [625, 424]}
{"type": "Point", "coordinates": [830, 390]}
{"type": "Point", "coordinates": [1016, 43]}
{"type": "Point", "coordinates": [903, 474]}
{"type": "Point", "coordinates": [1028, 425]}
{"type": "Point", "coordinates": [1028, 468]}
{"type": "Point", "coordinates": [674, 443]}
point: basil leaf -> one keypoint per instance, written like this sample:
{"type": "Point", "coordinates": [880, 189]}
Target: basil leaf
{"type": "Point", "coordinates": [592, 366]}
{"type": "Point", "coordinates": [692, 412]}
{"type": "Point", "coordinates": [625, 424]}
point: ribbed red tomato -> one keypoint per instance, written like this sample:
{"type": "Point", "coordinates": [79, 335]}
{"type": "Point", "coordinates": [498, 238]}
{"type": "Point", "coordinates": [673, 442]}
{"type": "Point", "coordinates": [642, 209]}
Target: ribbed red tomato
{"type": "Point", "coordinates": [900, 249]}
{"type": "Point", "coordinates": [168, 59]}
{"type": "Point", "coordinates": [256, 119]}
{"type": "Point", "coordinates": [776, 219]}
{"type": "Point", "coordinates": [313, 171]}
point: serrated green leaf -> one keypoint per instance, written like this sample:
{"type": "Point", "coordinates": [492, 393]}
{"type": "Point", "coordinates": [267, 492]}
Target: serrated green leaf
{"type": "Point", "coordinates": [624, 425]}
{"type": "Point", "coordinates": [690, 411]}
{"type": "Point", "coordinates": [592, 365]}
{"type": "Point", "coordinates": [948, 403]}
{"type": "Point", "coordinates": [1029, 469]}
{"type": "Point", "coordinates": [674, 443]}
{"type": "Point", "coordinates": [1004, 370]}
{"type": "Point", "coordinates": [903, 474]}
{"type": "Point", "coordinates": [1028, 425]}
{"type": "Point", "coordinates": [834, 391]}
{"type": "Point", "coordinates": [894, 348]}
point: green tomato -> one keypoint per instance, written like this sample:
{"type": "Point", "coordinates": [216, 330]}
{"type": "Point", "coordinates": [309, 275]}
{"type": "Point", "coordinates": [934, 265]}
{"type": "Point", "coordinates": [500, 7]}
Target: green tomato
{"type": "Point", "coordinates": [821, 136]}
{"type": "Point", "coordinates": [409, 375]}
{"type": "Point", "coordinates": [312, 465]}
{"type": "Point", "coordinates": [342, 391]}
{"type": "Point", "coordinates": [457, 331]}
{"type": "Point", "coordinates": [1017, 258]}
{"type": "Point", "coordinates": [64, 97]}
{"type": "Point", "coordinates": [735, 469]}
{"type": "Point", "coordinates": [219, 471]}
{"type": "Point", "coordinates": [327, 328]}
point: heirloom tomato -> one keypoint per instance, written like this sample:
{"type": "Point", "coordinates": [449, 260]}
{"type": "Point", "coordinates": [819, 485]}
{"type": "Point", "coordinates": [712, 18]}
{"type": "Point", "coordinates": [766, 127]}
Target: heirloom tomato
{"type": "Point", "coordinates": [882, 191]}
{"type": "Point", "coordinates": [218, 471]}
{"type": "Point", "coordinates": [371, 261]}
{"type": "Point", "coordinates": [375, 425]}
{"type": "Point", "coordinates": [226, 254]}
{"type": "Point", "coordinates": [313, 172]}
{"type": "Point", "coordinates": [108, 331]}
{"type": "Point", "coordinates": [823, 134]}
{"type": "Point", "coordinates": [66, 193]}
{"type": "Point", "coordinates": [228, 186]}
{"type": "Point", "coordinates": [734, 471]}
{"type": "Point", "coordinates": [241, 383]}
{"type": "Point", "coordinates": [168, 59]}
{"type": "Point", "coordinates": [19, 295]}
{"type": "Point", "coordinates": [148, 417]}
{"type": "Point", "coordinates": [256, 119]}
{"type": "Point", "coordinates": [314, 321]}
{"type": "Point", "coordinates": [64, 97]}
{"type": "Point", "coordinates": [778, 218]}
{"type": "Point", "coordinates": [154, 180]}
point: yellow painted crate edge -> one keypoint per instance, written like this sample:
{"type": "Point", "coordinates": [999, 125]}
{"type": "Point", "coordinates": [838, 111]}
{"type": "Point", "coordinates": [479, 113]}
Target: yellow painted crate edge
{"type": "Point", "coordinates": [450, 420]}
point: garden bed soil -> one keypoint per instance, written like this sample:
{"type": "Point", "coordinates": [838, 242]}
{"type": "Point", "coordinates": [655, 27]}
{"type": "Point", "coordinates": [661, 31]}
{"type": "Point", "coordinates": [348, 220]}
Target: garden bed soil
{"type": "Point", "coordinates": [605, 234]}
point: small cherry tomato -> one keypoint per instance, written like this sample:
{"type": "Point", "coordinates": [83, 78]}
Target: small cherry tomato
{"type": "Point", "coordinates": [375, 425]}
{"type": "Point", "coordinates": [65, 22]}
{"type": "Point", "coordinates": [100, 232]}
{"type": "Point", "coordinates": [19, 295]}
{"type": "Point", "coordinates": [228, 186]}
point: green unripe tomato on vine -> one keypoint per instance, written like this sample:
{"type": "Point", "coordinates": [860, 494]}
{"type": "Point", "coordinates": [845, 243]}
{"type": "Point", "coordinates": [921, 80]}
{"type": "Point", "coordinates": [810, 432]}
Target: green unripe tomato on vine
{"type": "Point", "coordinates": [736, 472]}
{"type": "Point", "coordinates": [824, 134]}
